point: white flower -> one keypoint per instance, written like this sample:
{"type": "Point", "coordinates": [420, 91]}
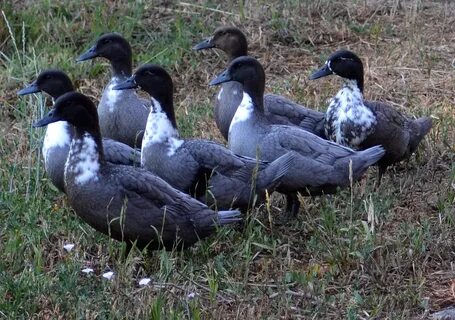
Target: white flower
{"type": "Point", "coordinates": [144, 281]}
{"type": "Point", "coordinates": [68, 247]}
{"type": "Point", "coordinates": [191, 295]}
{"type": "Point", "coordinates": [87, 270]}
{"type": "Point", "coordinates": [108, 275]}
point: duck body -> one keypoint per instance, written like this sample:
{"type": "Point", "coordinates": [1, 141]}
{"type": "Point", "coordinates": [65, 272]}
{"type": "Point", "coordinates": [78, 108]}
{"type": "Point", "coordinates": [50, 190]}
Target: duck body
{"type": "Point", "coordinates": [127, 203]}
{"type": "Point", "coordinates": [123, 114]}
{"type": "Point", "coordinates": [320, 167]}
{"type": "Point", "coordinates": [277, 109]}
{"type": "Point", "coordinates": [58, 136]}
{"type": "Point", "coordinates": [202, 168]}
{"type": "Point", "coordinates": [360, 124]}
{"type": "Point", "coordinates": [146, 201]}
{"type": "Point", "coordinates": [213, 174]}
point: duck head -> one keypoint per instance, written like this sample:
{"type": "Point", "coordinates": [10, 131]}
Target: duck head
{"type": "Point", "coordinates": [154, 80]}
{"type": "Point", "coordinates": [115, 48]}
{"type": "Point", "coordinates": [75, 108]}
{"type": "Point", "coordinates": [229, 39]}
{"type": "Point", "coordinates": [250, 73]}
{"type": "Point", "coordinates": [53, 82]}
{"type": "Point", "coordinates": [343, 63]}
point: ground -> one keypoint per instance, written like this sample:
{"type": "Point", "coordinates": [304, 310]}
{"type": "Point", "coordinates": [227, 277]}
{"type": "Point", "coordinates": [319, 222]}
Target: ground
{"type": "Point", "coordinates": [359, 254]}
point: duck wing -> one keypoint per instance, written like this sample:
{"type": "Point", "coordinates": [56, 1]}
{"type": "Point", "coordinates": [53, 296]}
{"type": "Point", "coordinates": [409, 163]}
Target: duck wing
{"type": "Point", "coordinates": [399, 135]}
{"type": "Point", "coordinates": [117, 152]}
{"type": "Point", "coordinates": [391, 132]}
{"type": "Point", "coordinates": [387, 113]}
{"type": "Point", "coordinates": [214, 156]}
{"type": "Point", "coordinates": [320, 161]}
{"type": "Point", "coordinates": [153, 203]}
{"type": "Point", "coordinates": [282, 110]}
{"type": "Point", "coordinates": [306, 144]}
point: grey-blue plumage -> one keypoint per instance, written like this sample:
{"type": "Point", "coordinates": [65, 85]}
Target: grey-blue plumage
{"type": "Point", "coordinates": [58, 135]}
{"type": "Point", "coordinates": [205, 169]}
{"type": "Point", "coordinates": [127, 203]}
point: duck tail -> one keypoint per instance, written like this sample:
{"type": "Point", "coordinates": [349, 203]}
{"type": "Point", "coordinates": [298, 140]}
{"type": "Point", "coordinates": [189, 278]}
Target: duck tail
{"type": "Point", "coordinates": [270, 177]}
{"type": "Point", "coordinates": [419, 128]}
{"type": "Point", "coordinates": [229, 217]}
{"type": "Point", "coordinates": [366, 158]}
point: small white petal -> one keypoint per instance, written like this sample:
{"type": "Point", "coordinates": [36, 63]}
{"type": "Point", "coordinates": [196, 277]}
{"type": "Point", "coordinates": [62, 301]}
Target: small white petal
{"type": "Point", "coordinates": [108, 275]}
{"type": "Point", "coordinates": [144, 281]}
{"type": "Point", "coordinates": [68, 247]}
{"type": "Point", "coordinates": [191, 295]}
{"type": "Point", "coordinates": [87, 270]}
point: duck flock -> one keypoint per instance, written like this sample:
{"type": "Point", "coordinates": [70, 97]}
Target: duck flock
{"type": "Point", "coordinates": [127, 172]}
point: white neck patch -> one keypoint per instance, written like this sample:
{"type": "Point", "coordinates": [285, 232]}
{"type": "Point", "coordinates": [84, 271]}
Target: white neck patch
{"type": "Point", "coordinates": [220, 93]}
{"type": "Point", "coordinates": [244, 110]}
{"type": "Point", "coordinates": [57, 135]}
{"type": "Point", "coordinates": [159, 129]}
{"type": "Point", "coordinates": [112, 95]}
{"type": "Point", "coordinates": [83, 160]}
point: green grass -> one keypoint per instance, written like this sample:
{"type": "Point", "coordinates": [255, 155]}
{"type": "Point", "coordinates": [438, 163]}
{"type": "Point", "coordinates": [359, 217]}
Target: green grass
{"type": "Point", "coordinates": [357, 254]}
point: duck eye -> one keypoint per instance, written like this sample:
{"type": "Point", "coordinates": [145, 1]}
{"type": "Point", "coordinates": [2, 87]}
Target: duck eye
{"type": "Point", "coordinates": [106, 41]}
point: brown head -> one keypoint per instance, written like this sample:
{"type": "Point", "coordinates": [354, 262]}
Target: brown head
{"type": "Point", "coordinates": [229, 39]}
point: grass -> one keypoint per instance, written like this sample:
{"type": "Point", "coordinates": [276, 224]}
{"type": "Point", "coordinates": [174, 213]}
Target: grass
{"type": "Point", "coordinates": [357, 254]}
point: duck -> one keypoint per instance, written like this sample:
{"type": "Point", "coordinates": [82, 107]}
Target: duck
{"type": "Point", "coordinates": [58, 136]}
{"type": "Point", "coordinates": [277, 109]}
{"type": "Point", "coordinates": [123, 114]}
{"type": "Point", "coordinates": [359, 124]}
{"type": "Point", "coordinates": [203, 168]}
{"type": "Point", "coordinates": [321, 165]}
{"type": "Point", "coordinates": [127, 203]}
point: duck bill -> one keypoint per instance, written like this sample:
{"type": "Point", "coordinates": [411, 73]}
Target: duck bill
{"type": "Point", "coordinates": [31, 88]}
{"type": "Point", "coordinates": [323, 72]}
{"type": "Point", "coordinates": [49, 118]}
{"type": "Point", "coordinates": [129, 83]}
{"type": "Point", "coordinates": [206, 44]}
{"type": "Point", "coordinates": [87, 55]}
{"type": "Point", "coordinates": [222, 78]}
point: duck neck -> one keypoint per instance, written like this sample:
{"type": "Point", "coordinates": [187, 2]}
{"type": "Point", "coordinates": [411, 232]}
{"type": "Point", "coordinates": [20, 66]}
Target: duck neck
{"type": "Point", "coordinates": [161, 125]}
{"type": "Point", "coordinates": [164, 103]}
{"type": "Point", "coordinates": [357, 82]}
{"type": "Point", "coordinates": [85, 158]}
{"type": "Point", "coordinates": [122, 66]}
{"type": "Point", "coordinates": [60, 90]}
{"type": "Point", "coordinates": [91, 139]}
{"type": "Point", "coordinates": [255, 91]}
{"type": "Point", "coordinates": [238, 51]}
{"type": "Point", "coordinates": [351, 92]}
{"type": "Point", "coordinates": [247, 113]}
